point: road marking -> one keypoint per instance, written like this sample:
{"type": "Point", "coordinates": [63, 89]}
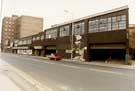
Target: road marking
{"type": "Point", "coordinates": [112, 72]}
{"type": "Point", "coordinates": [69, 66]}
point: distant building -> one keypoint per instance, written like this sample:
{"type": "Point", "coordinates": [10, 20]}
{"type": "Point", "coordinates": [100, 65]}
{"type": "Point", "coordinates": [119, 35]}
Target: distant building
{"type": "Point", "coordinates": [8, 31]}
{"type": "Point", "coordinates": [28, 25]}
{"type": "Point", "coordinates": [18, 27]}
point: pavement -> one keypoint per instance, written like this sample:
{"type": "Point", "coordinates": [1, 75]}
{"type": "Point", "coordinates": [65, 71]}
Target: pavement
{"type": "Point", "coordinates": [5, 83]}
{"type": "Point", "coordinates": [72, 76]}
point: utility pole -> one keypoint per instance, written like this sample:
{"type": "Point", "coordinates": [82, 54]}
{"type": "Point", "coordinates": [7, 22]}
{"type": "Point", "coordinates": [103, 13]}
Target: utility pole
{"type": "Point", "coordinates": [72, 31]}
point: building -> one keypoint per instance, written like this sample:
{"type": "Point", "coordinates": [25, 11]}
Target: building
{"type": "Point", "coordinates": [8, 32]}
{"type": "Point", "coordinates": [132, 40]}
{"type": "Point", "coordinates": [102, 36]}
{"type": "Point", "coordinates": [18, 27]}
{"type": "Point", "coordinates": [28, 25]}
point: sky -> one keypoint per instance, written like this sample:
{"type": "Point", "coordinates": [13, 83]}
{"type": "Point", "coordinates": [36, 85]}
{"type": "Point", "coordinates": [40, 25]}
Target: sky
{"type": "Point", "coordinates": [53, 11]}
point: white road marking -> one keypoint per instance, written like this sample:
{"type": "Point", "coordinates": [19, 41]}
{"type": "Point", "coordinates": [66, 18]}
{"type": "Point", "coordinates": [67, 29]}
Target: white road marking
{"type": "Point", "coordinates": [112, 72]}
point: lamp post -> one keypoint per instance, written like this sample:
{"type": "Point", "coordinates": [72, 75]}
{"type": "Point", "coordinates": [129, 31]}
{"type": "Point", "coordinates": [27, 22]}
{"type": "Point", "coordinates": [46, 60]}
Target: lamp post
{"type": "Point", "coordinates": [72, 36]}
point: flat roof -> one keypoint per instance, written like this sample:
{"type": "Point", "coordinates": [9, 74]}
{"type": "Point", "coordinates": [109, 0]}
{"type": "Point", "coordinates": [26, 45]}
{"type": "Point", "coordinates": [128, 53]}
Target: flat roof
{"type": "Point", "coordinates": [94, 15]}
{"type": "Point", "coordinates": [132, 25]}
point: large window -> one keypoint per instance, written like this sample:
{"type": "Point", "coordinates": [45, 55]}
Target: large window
{"type": "Point", "coordinates": [52, 33]}
{"type": "Point", "coordinates": [42, 37]}
{"type": "Point", "coordinates": [114, 23]}
{"type": "Point", "coordinates": [34, 39]}
{"type": "Point", "coordinates": [28, 41]}
{"type": "Point", "coordinates": [93, 26]}
{"type": "Point", "coordinates": [107, 24]}
{"type": "Point", "coordinates": [64, 31]}
{"type": "Point", "coordinates": [78, 28]}
{"type": "Point", "coordinates": [122, 22]}
{"type": "Point", "coordinates": [103, 24]}
{"type": "Point", "coordinates": [38, 37]}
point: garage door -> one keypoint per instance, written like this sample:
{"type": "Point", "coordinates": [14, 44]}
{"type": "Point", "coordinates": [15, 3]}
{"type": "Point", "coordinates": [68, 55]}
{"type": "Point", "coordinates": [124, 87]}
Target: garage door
{"type": "Point", "coordinates": [104, 54]}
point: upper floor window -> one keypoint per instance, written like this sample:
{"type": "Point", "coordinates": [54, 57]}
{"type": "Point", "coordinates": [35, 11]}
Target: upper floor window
{"type": "Point", "coordinates": [64, 31]}
{"type": "Point", "coordinates": [29, 41]}
{"type": "Point", "coordinates": [42, 37]}
{"type": "Point", "coordinates": [93, 26]}
{"type": "Point", "coordinates": [20, 42]}
{"type": "Point", "coordinates": [103, 24]}
{"type": "Point", "coordinates": [52, 33]}
{"type": "Point", "coordinates": [114, 23]}
{"type": "Point", "coordinates": [108, 24]}
{"type": "Point", "coordinates": [78, 28]}
{"type": "Point", "coordinates": [37, 38]}
{"type": "Point", "coordinates": [34, 39]}
{"type": "Point", "coordinates": [122, 22]}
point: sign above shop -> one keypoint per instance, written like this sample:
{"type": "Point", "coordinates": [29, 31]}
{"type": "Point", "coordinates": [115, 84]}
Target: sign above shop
{"type": "Point", "coordinates": [38, 47]}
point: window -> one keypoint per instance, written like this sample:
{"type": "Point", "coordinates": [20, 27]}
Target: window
{"type": "Point", "coordinates": [93, 26]}
{"type": "Point", "coordinates": [122, 21]}
{"type": "Point", "coordinates": [109, 24]}
{"type": "Point", "coordinates": [24, 42]}
{"type": "Point", "coordinates": [28, 41]}
{"type": "Point", "coordinates": [9, 26]}
{"type": "Point", "coordinates": [42, 37]}
{"type": "Point", "coordinates": [37, 38]}
{"type": "Point", "coordinates": [6, 21]}
{"type": "Point", "coordinates": [64, 31]}
{"type": "Point", "coordinates": [103, 24]}
{"type": "Point", "coordinates": [52, 33]}
{"type": "Point", "coordinates": [33, 38]}
{"type": "Point", "coordinates": [78, 28]}
{"type": "Point", "coordinates": [114, 23]}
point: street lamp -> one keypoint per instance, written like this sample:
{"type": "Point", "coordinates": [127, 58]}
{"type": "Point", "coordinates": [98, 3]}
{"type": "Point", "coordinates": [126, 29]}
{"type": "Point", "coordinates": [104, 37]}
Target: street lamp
{"type": "Point", "coordinates": [72, 36]}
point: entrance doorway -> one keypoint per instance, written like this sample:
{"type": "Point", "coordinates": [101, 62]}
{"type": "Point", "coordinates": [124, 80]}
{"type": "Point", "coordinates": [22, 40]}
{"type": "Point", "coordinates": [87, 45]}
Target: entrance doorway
{"type": "Point", "coordinates": [50, 49]}
{"type": "Point", "coordinates": [104, 54]}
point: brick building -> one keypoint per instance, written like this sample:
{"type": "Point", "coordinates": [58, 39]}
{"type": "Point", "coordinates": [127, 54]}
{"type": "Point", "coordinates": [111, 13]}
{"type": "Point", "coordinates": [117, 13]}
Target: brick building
{"type": "Point", "coordinates": [8, 32]}
{"type": "Point", "coordinates": [18, 27]}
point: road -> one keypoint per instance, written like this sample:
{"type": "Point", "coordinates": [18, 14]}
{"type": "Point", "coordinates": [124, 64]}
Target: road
{"type": "Point", "coordinates": [66, 76]}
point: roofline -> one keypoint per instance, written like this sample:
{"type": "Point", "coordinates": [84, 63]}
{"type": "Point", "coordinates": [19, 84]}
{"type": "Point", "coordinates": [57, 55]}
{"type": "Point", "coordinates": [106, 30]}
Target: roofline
{"type": "Point", "coordinates": [94, 15]}
{"type": "Point", "coordinates": [31, 16]}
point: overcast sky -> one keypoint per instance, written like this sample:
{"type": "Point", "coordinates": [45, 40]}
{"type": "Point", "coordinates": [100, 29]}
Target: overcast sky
{"type": "Point", "coordinates": [53, 10]}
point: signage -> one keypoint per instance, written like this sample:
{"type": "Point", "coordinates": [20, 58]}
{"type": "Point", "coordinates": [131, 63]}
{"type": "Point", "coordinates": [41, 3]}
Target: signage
{"type": "Point", "coordinates": [78, 37]}
{"type": "Point", "coordinates": [38, 47]}
{"type": "Point", "coordinates": [68, 51]}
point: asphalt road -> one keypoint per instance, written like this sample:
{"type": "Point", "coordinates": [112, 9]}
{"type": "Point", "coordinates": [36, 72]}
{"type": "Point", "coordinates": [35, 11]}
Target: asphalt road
{"type": "Point", "coordinates": [66, 76]}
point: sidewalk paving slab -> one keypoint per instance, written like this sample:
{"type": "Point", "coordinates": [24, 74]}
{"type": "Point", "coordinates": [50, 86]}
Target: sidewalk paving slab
{"type": "Point", "coordinates": [5, 83]}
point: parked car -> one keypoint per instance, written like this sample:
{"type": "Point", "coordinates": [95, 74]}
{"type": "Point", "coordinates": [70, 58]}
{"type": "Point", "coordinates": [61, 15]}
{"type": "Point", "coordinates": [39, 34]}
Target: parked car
{"type": "Point", "coordinates": [55, 57]}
